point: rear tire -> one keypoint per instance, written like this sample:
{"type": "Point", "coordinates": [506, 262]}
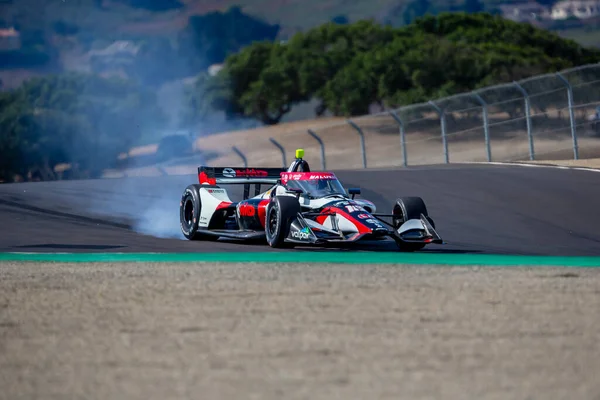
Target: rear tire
{"type": "Point", "coordinates": [279, 215]}
{"type": "Point", "coordinates": [189, 214]}
{"type": "Point", "coordinates": [409, 208]}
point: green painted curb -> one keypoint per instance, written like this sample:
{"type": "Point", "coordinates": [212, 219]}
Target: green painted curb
{"type": "Point", "coordinates": [313, 257]}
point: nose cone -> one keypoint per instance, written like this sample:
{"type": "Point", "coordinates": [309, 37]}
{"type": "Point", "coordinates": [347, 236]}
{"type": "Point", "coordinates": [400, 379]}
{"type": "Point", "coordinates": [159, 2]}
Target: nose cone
{"type": "Point", "coordinates": [372, 223]}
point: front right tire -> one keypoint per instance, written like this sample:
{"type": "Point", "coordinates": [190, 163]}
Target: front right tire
{"type": "Point", "coordinates": [409, 208]}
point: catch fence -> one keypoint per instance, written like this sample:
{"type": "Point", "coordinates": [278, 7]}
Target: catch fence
{"type": "Point", "coordinates": [545, 117]}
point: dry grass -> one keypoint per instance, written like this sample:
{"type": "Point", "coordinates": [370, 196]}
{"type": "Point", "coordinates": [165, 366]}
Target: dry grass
{"type": "Point", "coordinates": [382, 142]}
{"type": "Point", "coordinates": [157, 331]}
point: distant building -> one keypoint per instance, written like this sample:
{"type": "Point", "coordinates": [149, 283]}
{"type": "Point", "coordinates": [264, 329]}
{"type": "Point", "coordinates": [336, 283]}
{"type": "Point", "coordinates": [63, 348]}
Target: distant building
{"type": "Point", "coordinates": [10, 39]}
{"type": "Point", "coordinates": [578, 9]}
{"type": "Point", "coordinates": [525, 12]}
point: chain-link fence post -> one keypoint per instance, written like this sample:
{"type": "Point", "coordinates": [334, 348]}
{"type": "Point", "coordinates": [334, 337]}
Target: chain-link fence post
{"type": "Point", "coordinates": [362, 141]}
{"type": "Point", "coordinates": [402, 136]}
{"type": "Point", "coordinates": [442, 116]}
{"type": "Point", "coordinates": [486, 125]}
{"type": "Point", "coordinates": [527, 118]}
{"type": "Point", "coordinates": [280, 147]}
{"type": "Point", "coordinates": [322, 145]}
{"type": "Point", "coordinates": [571, 114]}
{"type": "Point", "coordinates": [242, 156]}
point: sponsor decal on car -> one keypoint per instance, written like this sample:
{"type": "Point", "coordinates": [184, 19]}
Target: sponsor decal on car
{"type": "Point", "coordinates": [374, 222]}
{"type": "Point", "coordinates": [248, 172]}
{"type": "Point", "coordinates": [321, 176]}
{"type": "Point", "coordinates": [363, 216]}
{"type": "Point", "coordinates": [341, 204]}
{"type": "Point", "coordinates": [229, 173]}
{"type": "Point", "coordinates": [251, 172]}
{"type": "Point", "coordinates": [301, 234]}
{"type": "Point", "coordinates": [246, 210]}
{"type": "Point", "coordinates": [306, 176]}
{"type": "Point", "coordinates": [354, 208]}
{"type": "Point", "coordinates": [216, 191]}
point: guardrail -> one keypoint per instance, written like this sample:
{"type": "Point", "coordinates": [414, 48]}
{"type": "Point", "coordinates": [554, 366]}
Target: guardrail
{"type": "Point", "coordinates": [542, 117]}
{"type": "Point", "coordinates": [528, 119]}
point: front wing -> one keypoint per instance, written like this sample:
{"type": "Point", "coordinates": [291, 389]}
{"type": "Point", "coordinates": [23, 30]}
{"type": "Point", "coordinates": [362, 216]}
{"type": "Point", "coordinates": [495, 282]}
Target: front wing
{"type": "Point", "coordinates": [306, 231]}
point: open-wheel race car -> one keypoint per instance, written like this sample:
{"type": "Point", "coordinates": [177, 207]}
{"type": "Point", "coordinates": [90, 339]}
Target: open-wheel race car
{"type": "Point", "coordinates": [300, 207]}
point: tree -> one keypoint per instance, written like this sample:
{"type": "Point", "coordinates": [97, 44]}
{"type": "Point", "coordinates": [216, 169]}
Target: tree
{"type": "Point", "coordinates": [210, 38]}
{"type": "Point", "coordinates": [349, 67]}
{"type": "Point", "coordinates": [259, 82]}
{"type": "Point", "coordinates": [415, 9]}
{"type": "Point", "coordinates": [83, 120]}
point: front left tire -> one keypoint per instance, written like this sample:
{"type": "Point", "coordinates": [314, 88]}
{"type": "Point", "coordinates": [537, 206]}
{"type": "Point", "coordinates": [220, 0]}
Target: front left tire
{"type": "Point", "coordinates": [279, 215]}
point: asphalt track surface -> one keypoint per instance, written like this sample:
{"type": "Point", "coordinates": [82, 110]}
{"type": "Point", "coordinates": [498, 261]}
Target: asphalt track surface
{"type": "Point", "coordinates": [485, 209]}
{"type": "Point", "coordinates": [303, 331]}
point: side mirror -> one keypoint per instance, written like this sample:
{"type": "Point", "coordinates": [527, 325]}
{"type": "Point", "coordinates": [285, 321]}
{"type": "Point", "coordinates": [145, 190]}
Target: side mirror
{"type": "Point", "coordinates": [354, 191]}
{"type": "Point", "coordinates": [298, 192]}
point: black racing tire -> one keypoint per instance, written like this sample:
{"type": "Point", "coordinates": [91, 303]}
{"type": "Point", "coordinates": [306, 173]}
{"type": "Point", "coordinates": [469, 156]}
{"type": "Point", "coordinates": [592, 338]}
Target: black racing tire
{"type": "Point", "coordinates": [189, 214]}
{"type": "Point", "coordinates": [279, 215]}
{"type": "Point", "coordinates": [409, 208]}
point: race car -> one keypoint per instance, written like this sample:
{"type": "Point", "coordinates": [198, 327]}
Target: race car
{"type": "Point", "coordinates": [300, 207]}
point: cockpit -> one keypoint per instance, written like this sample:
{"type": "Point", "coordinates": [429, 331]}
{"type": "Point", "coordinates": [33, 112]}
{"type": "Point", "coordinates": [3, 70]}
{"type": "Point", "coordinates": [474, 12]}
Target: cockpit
{"type": "Point", "coordinates": [314, 184]}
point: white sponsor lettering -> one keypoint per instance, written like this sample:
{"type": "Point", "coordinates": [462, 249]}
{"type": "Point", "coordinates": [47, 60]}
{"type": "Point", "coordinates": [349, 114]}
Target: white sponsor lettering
{"type": "Point", "coordinates": [300, 235]}
{"type": "Point", "coordinates": [353, 208]}
{"type": "Point", "coordinates": [374, 222]}
{"type": "Point", "coordinates": [229, 173]}
{"type": "Point", "coordinates": [321, 177]}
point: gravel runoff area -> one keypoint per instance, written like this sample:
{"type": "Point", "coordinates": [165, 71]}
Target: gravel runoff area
{"type": "Point", "coordinates": [248, 331]}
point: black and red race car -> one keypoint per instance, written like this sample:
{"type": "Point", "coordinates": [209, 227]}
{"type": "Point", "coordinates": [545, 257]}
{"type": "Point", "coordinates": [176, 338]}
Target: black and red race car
{"type": "Point", "coordinates": [300, 207]}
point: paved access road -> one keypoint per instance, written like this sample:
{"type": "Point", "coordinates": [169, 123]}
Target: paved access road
{"type": "Point", "coordinates": [477, 209]}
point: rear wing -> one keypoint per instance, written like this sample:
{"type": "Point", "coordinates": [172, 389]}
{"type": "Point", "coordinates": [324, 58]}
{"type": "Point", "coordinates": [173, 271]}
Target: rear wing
{"type": "Point", "coordinates": [240, 175]}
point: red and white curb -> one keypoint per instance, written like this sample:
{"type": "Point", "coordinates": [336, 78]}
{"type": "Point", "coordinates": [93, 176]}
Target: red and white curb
{"type": "Point", "coordinates": [518, 164]}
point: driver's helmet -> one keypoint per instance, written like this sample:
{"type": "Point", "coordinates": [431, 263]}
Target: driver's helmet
{"type": "Point", "coordinates": [302, 166]}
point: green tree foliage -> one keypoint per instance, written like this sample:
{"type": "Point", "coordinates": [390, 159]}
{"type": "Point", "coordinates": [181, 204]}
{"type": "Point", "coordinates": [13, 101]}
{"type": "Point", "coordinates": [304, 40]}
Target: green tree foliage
{"type": "Point", "coordinates": [350, 67]}
{"type": "Point", "coordinates": [404, 13]}
{"type": "Point", "coordinates": [35, 51]}
{"type": "Point", "coordinates": [83, 120]}
{"type": "Point", "coordinates": [264, 80]}
{"type": "Point", "coordinates": [209, 38]}
{"type": "Point", "coordinates": [415, 9]}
